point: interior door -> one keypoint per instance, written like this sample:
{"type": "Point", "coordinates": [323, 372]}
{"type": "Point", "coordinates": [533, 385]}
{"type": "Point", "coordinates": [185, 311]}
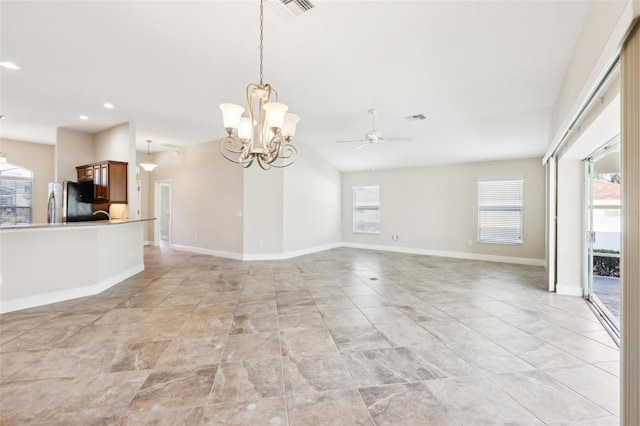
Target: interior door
{"type": "Point", "coordinates": [165, 212]}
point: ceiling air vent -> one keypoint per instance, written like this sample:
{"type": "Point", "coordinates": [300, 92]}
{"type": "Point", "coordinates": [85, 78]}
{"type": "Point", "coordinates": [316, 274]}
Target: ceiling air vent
{"type": "Point", "coordinates": [416, 117]}
{"type": "Point", "coordinates": [289, 9]}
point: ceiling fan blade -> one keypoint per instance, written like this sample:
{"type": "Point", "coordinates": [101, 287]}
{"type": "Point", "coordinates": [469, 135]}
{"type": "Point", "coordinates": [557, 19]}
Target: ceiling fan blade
{"type": "Point", "coordinates": [398, 139]}
{"type": "Point", "coordinates": [362, 146]}
{"type": "Point", "coordinates": [357, 140]}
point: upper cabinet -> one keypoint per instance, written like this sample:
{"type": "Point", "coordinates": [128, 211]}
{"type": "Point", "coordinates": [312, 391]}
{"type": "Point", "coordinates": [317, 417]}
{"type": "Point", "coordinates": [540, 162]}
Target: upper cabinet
{"type": "Point", "coordinates": [109, 180]}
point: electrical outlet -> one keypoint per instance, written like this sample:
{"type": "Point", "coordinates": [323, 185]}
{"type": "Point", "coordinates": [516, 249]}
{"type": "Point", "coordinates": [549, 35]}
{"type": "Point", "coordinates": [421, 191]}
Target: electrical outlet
{"type": "Point", "coordinates": [406, 238]}
{"type": "Point", "coordinates": [470, 243]}
{"type": "Point", "coordinates": [261, 243]}
{"type": "Point", "coordinates": [239, 213]}
{"type": "Point", "coordinates": [195, 237]}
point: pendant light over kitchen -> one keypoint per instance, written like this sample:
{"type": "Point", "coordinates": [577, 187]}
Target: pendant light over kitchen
{"type": "Point", "coordinates": [270, 142]}
{"type": "Point", "coordinates": [148, 165]}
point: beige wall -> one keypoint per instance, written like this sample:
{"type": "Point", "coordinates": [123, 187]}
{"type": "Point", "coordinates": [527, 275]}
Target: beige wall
{"type": "Point", "coordinates": [312, 202]}
{"type": "Point", "coordinates": [435, 208]}
{"type": "Point", "coordinates": [263, 210]}
{"type": "Point", "coordinates": [112, 144]}
{"type": "Point", "coordinates": [598, 42]}
{"type": "Point", "coordinates": [73, 149]}
{"type": "Point", "coordinates": [118, 143]}
{"type": "Point", "coordinates": [293, 209]}
{"type": "Point", "coordinates": [39, 159]}
{"type": "Point", "coordinates": [219, 206]}
{"type": "Point", "coordinates": [207, 192]}
{"type": "Point", "coordinates": [146, 207]}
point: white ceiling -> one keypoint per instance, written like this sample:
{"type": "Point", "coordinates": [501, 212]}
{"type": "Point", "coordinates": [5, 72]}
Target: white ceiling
{"type": "Point", "coordinates": [484, 73]}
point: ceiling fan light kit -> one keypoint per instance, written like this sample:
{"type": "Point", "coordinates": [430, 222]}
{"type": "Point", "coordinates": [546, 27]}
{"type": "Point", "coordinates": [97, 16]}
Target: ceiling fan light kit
{"type": "Point", "coordinates": [266, 140]}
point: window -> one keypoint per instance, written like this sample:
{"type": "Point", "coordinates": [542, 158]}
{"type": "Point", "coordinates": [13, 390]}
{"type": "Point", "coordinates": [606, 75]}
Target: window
{"type": "Point", "coordinates": [366, 209]}
{"type": "Point", "coordinates": [500, 211]}
{"type": "Point", "coordinates": [16, 195]}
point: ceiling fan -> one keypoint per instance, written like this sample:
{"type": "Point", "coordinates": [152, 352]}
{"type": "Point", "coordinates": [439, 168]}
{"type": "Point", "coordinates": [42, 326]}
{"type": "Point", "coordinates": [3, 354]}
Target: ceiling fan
{"type": "Point", "coordinates": [373, 137]}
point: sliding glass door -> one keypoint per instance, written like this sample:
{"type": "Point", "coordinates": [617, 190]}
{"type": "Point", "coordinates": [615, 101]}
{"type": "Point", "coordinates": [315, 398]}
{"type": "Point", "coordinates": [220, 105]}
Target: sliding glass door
{"type": "Point", "coordinates": [604, 222]}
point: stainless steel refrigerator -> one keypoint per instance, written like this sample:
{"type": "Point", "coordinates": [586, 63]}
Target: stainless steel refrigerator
{"type": "Point", "coordinates": [70, 202]}
{"type": "Point", "coordinates": [54, 207]}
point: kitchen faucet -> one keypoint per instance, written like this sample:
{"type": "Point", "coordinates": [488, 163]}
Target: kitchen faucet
{"type": "Point", "coordinates": [102, 211]}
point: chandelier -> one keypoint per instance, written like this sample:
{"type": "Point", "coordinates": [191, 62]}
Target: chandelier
{"type": "Point", "coordinates": [266, 140]}
{"type": "Point", "coordinates": [148, 165]}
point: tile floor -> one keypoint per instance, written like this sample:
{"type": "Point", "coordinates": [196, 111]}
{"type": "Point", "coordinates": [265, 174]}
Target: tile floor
{"type": "Point", "coordinates": [343, 337]}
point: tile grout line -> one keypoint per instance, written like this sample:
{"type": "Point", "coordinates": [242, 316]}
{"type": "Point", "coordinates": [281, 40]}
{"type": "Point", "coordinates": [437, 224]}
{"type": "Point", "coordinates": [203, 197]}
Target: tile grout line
{"type": "Point", "coordinates": [284, 382]}
{"type": "Point", "coordinates": [213, 383]}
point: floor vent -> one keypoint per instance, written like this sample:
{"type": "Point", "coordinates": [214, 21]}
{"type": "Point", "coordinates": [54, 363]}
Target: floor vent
{"type": "Point", "coordinates": [289, 9]}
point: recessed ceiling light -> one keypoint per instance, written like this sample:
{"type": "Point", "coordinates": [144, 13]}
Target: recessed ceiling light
{"type": "Point", "coordinates": [84, 117]}
{"type": "Point", "coordinates": [1, 117]}
{"type": "Point", "coordinates": [108, 105]}
{"type": "Point", "coordinates": [9, 65]}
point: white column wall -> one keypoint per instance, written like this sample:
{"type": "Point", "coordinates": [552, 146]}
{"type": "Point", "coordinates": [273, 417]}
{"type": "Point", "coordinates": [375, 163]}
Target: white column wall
{"type": "Point", "coordinates": [570, 234]}
{"type": "Point", "coordinates": [312, 203]}
{"type": "Point", "coordinates": [118, 143]}
{"type": "Point", "coordinates": [630, 264]}
{"type": "Point", "coordinates": [263, 211]}
{"type": "Point", "coordinates": [73, 149]}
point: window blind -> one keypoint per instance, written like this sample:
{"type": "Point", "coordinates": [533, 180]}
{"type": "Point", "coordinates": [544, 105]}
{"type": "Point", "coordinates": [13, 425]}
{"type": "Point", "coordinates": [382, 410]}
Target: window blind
{"type": "Point", "coordinates": [500, 216]}
{"type": "Point", "coordinates": [15, 201]}
{"type": "Point", "coordinates": [366, 209]}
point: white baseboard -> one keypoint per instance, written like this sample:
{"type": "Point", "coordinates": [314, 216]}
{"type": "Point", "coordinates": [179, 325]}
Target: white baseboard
{"type": "Point", "coordinates": [290, 254]}
{"type": "Point", "coordinates": [569, 290]}
{"type": "Point", "coordinates": [250, 257]}
{"type": "Point", "coordinates": [316, 249]}
{"type": "Point", "coordinates": [453, 254]}
{"type": "Point", "coordinates": [73, 293]}
{"type": "Point", "coordinates": [211, 252]}
{"type": "Point", "coordinates": [147, 243]}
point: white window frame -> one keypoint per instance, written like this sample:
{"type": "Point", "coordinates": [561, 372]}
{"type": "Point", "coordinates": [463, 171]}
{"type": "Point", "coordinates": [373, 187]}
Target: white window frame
{"type": "Point", "coordinates": [508, 206]}
{"type": "Point", "coordinates": [11, 172]}
{"type": "Point", "coordinates": [355, 208]}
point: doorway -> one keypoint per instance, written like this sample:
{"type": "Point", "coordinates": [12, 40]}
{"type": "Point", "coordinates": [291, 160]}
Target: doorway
{"type": "Point", "coordinates": [604, 232]}
{"type": "Point", "coordinates": [162, 226]}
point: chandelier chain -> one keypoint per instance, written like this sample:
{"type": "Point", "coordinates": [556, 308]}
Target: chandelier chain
{"type": "Point", "coordinates": [261, 36]}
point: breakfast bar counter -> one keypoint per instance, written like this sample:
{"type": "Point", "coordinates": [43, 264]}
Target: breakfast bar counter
{"type": "Point", "coordinates": [48, 263]}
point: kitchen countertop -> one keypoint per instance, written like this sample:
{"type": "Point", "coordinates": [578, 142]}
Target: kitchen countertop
{"type": "Point", "coordinates": [72, 224]}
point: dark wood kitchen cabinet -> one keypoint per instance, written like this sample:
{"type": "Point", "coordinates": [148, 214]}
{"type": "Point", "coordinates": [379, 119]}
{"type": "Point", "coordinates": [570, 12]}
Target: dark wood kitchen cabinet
{"type": "Point", "coordinates": [109, 180]}
{"type": "Point", "coordinates": [85, 173]}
